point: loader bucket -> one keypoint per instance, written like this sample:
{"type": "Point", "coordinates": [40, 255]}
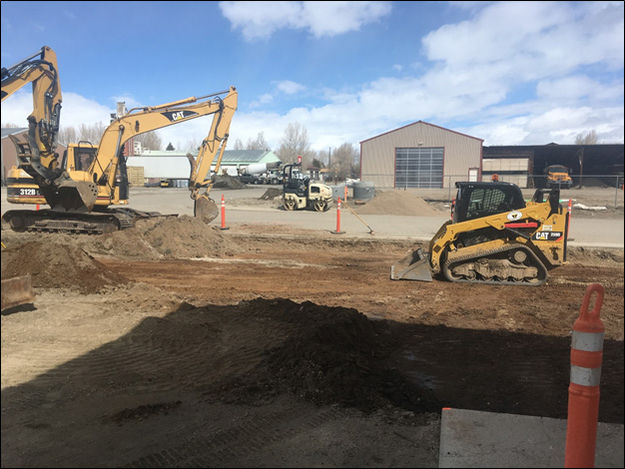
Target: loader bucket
{"type": "Point", "coordinates": [205, 209]}
{"type": "Point", "coordinates": [415, 266]}
{"type": "Point", "coordinates": [17, 291]}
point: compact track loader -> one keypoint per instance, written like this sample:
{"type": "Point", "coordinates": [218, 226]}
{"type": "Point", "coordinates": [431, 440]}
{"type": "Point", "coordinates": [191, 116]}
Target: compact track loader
{"type": "Point", "coordinates": [494, 237]}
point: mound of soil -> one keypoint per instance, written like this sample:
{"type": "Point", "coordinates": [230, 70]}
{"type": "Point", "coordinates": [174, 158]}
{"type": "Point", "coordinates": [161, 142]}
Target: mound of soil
{"type": "Point", "coordinates": [271, 194]}
{"type": "Point", "coordinates": [397, 203]}
{"type": "Point", "coordinates": [327, 355]}
{"type": "Point", "coordinates": [166, 237]}
{"type": "Point", "coordinates": [227, 182]}
{"type": "Point", "coordinates": [55, 265]}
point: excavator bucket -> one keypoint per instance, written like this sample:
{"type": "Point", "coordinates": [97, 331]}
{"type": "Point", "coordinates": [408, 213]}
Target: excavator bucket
{"type": "Point", "coordinates": [17, 291]}
{"type": "Point", "coordinates": [415, 266]}
{"type": "Point", "coordinates": [205, 208]}
{"type": "Point", "coordinates": [75, 196]}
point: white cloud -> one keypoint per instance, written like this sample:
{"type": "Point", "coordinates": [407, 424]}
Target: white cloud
{"type": "Point", "coordinates": [490, 77]}
{"type": "Point", "coordinates": [75, 110]}
{"type": "Point", "coordinates": [259, 20]}
{"type": "Point", "coordinates": [289, 87]}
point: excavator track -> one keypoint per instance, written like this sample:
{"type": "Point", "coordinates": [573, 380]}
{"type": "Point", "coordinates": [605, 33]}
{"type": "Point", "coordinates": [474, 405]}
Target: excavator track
{"type": "Point", "coordinates": [51, 221]}
{"type": "Point", "coordinates": [514, 264]}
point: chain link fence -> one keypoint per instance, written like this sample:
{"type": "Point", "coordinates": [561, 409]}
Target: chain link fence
{"type": "Point", "coordinates": [590, 190]}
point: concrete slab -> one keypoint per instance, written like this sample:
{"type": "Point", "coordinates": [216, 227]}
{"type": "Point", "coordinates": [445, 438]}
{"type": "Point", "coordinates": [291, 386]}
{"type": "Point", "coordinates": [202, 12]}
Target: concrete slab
{"type": "Point", "coordinates": [471, 438]}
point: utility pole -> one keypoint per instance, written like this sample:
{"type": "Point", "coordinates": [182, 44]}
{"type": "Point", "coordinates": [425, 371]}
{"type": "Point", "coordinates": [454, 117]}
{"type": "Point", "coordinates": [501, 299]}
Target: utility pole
{"type": "Point", "coordinates": [330, 161]}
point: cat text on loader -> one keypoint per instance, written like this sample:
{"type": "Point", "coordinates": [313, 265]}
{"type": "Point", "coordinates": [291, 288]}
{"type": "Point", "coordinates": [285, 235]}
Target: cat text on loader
{"type": "Point", "coordinates": [298, 192]}
{"type": "Point", "coordinates": [80, 197]}
{"type": "Point", "coordinates": [494, 237]}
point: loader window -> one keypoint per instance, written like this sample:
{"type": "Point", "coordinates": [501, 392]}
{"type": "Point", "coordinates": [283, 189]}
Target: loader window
{"type": "Point", "coordinates": [485, 202]}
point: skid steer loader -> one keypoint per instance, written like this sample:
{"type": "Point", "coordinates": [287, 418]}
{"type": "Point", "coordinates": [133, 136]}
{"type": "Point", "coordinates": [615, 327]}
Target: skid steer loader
{"type": "Point", "coordinates": [494, 237]}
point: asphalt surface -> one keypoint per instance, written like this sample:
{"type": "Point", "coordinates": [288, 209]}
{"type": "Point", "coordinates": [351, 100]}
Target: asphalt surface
{"type": "Point", "coordinates": [585, 229]}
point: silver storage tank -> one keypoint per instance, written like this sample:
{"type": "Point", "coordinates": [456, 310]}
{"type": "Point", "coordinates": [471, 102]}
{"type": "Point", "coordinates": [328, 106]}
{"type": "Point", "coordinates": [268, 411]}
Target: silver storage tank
{"type": "Point", "coordinates": [363, 190]}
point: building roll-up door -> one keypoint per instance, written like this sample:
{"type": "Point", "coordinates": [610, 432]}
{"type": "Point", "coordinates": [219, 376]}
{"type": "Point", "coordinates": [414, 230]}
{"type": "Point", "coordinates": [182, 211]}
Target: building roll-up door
{"type": "Point", "coordinates": [418, 167]}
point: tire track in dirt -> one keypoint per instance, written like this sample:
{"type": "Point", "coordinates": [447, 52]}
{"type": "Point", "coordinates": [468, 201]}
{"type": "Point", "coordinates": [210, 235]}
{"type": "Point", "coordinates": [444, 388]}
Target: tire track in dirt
{"type": "Point", "coordinates": [225, 447]}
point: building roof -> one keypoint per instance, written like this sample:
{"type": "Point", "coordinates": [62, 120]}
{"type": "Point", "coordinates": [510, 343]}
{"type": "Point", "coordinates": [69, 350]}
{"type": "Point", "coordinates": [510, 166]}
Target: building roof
{"type": "Point", "coordinates": [423, 123]}
{"type": "Point", "coordinates": [6, 131]}
{"type": "Point", "coordinates": [231, 157]}
{"type": "Point", "coordinates": [245, 156]}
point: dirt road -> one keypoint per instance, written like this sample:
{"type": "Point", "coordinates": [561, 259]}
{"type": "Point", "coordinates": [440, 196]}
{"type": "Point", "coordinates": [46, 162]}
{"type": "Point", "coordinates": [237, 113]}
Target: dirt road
{"type": "Point", "coordinates": [279, 347]}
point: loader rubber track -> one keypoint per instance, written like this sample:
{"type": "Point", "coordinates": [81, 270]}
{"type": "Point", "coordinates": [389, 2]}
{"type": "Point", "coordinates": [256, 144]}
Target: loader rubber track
{"type": "Point", "coordinates": [472, 273]}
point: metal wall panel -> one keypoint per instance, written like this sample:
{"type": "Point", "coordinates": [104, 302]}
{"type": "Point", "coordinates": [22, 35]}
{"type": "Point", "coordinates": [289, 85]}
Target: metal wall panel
{"type": "Point", "coordinates": [460, 153]}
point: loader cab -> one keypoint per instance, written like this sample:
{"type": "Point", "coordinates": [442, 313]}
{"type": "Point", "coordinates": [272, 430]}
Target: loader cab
{"type": "Point", "coordinates": [482, 199]}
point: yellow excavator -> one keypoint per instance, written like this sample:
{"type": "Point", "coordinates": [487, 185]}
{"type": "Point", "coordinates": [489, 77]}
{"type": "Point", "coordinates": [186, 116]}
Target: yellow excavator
{"type": "Point", "coordinates": [494, 237]}
{"type": "Point", "coordinates": [41, 70]}
{"type": "Point", "coordinates": [80, 195]}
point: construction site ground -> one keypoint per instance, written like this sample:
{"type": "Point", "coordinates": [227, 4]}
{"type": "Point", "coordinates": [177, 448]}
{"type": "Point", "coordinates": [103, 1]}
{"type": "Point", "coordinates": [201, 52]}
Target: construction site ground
{"type": "Point", "coordinates": [279, 343]}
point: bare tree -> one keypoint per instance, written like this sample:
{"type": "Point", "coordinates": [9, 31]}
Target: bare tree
{"type": "Point", "coordinates": [343, 159]}
{"type": "Point", "coordinates": [67, 135]}
{"type": "Point", "coordinates": [10, 125]}
{"type": "Point", "coordinates": [295, 142]}
{"type": "Point", "coordinates": [91, 133]}
{"type": "Point", "coordinates": [238, 144]}
{"type": "Point", "coordinates": [192, 146]}
{"type": "Point", "coordinates": [589, 138]}
{"type": "Point", "coordinates": [258, 143]}
{"type": "Point", "coordinates": [149, 141]}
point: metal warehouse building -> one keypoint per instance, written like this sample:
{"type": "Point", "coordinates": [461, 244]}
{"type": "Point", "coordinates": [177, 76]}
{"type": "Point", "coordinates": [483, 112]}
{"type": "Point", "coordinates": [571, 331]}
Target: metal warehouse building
{"type": "Point", "coordinates": [420, 155]}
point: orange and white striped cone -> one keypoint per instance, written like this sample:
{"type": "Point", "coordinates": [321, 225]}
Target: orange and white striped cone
{"type": "Point", "coordinates": [338, 218]}
{"type": "Point", "coordinates": [583, 406]}
{"type": "Point", "coordinates": [223, 213]}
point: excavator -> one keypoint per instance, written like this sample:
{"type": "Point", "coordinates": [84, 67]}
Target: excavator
{"type": "Point", "coordinates": [41, 70]}
{"type": "Point", "coordinates": [80, 196]}
{"type": "Point", "coordinates": [494, 237]}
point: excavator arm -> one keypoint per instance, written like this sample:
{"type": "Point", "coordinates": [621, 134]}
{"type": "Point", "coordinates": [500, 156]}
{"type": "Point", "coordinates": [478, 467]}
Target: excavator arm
{"type": "Point", "coordinates": [41, 70]}
{"type": "Point", "coordinates": [99, 179]}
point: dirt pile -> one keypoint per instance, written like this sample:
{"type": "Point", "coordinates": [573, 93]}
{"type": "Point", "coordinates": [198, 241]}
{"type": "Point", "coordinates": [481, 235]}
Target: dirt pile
{"type": "Point", "coordinates": [166, 237]}
{"type": "Point", "coordinates": [328, 355]}
{"type": "Point", "coordinates": [271, 194]}
{"type": "Point", "coordinates": [55, 265]}
{"type": "Point", "coordinates": [397, 203]}
{"type": "Point", "coordinates": [223, 181]}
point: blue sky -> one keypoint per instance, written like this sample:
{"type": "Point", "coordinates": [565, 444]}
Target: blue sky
{"type": "Point", "coordinates": [510, 73]}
